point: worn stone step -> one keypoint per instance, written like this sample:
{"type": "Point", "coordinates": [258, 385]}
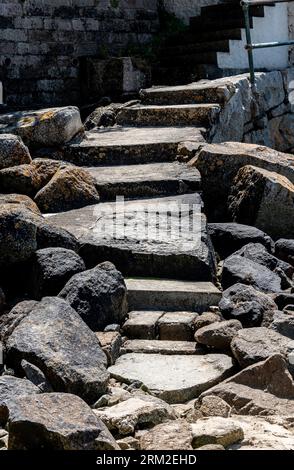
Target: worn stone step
{"type": "Point", "coordinates": [171, 295]}
{"type": "Point", "coordinates": [183, 59]}
{"type": "Point", "coordinates": [145, 237]}
{"type": "Point", "coordinates": [211, 24]}
{"type": "Point", "coordinates": [173, 378]}
{"type": "Point", "coordinates": [193, 48]}
{"type": "Point", "coordinates": [150, 324]}
{"type": "Point", "coordinates": [231, 9]}
{"type": "Point", "coordinates": [193, 36]}
{"type": "Point", "coordinates": [161, 347]}
{"type": "Point", "coordinates": [198, 92]}
{"type": "Point", "coordinates": [169, 115]}
{"type": "Point", "coordinates": [147, 180]}
{"type": "Point", "coordinates": [130, 145]}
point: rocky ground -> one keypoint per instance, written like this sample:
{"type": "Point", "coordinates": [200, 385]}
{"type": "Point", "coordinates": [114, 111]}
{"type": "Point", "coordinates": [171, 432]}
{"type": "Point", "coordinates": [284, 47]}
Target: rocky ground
{"type": "Point", "coordinates": [149, 344]}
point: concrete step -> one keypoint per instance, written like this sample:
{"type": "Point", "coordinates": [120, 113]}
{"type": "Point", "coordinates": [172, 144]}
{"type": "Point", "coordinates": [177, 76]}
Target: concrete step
{"type": "Point", "coordinates": [145, 237]}
{"type": "Point", "coordinates": [171, 295]}
{"type": "Point", "coordinates": [171, 115]}
{"type": "Point", "coordinates": [144, 346]}
{"type": "Point", "coordinates": [199, 92]}
{"type": "Point", "coordinates": [147, 180]}
{"type": "Point", "coordinates": [129, 145]}
{"type": "Point", "coordinates": [169, 326]}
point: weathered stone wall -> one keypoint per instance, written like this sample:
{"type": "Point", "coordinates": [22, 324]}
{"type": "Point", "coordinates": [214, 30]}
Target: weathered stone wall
{"type": "Point", "coordinates": [42, 41]}
{"type": "Point", "coordinates": [262, 116]}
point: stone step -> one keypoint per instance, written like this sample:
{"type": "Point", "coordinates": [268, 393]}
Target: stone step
{"type": "Point", "coordinates": [147, 180]}
{"type": "Point", "coordinates": [199, 92]}
{"type": "Point", "coordinates": [161, 347]}
{"type": "Point", "coordinates": [192, 36]}
{"type": "Point", "coordinates": [211, 24]}
{"type": "Point", "coordinates": [173, 378]}
{"type": "Point", "coordinates": [171, 295]}
{"type": "Point", "coordinates": [145, 237]}
{"type": "Point", "coordinates": [169, 115]}
{"type": "Point", "coordinates": [217, 11]}
{"type": "Point", "coordinates": [193, 48]}
{"type": "Point", "coordinates": [170, 326]}
{"type": "Point", "coordinates": [195, 58]}
{"type": "Point", "coordinates": [130, 145]}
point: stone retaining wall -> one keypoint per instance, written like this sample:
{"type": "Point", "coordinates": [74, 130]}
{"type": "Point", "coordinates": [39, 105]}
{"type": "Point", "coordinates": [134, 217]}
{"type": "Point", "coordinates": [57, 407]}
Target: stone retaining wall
{"type": "Point", "coordinates": [41, 42]}
{"type": "Point", "coordinates": [264, 116]}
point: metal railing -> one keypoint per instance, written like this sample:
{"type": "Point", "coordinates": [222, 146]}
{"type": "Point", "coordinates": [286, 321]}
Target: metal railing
{"type": "Point", "coordinates": [246, 4]}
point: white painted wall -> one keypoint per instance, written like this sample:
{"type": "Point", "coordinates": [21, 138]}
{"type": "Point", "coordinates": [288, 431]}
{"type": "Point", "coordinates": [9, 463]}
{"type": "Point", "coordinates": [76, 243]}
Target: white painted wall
{"type": "Point", "coordinates": [291, 30]}
{"type": "Point", "coordinates": [273, 27]}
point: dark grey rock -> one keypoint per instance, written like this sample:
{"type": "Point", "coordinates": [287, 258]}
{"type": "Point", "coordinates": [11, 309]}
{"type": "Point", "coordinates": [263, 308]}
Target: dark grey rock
{"type": "Point", "coordinates": [218, 335]}
{"type": "Point", "coordinates": [99, 295]}
{"type": "Point", "coordinates": [205, 319]}
{"type": "Point", "coordinates": [17, 234]}
{"type": "Point", "coordinates": [2, 300]}
{"type": "Point", "coordinates": [51, 269]}
{"type": "Point", "coordinates": [262, 389]}
{"type": "Point", "coordinates": [246, 304]}
{"type": "Point", "coordinates": [11, 320]}
{"type": "Point", "coordinates": [10, 389]}
{"type": "Point", "coordinates": [258, 253]}
{"type": "Point", "coordinates": [230, 237]}
{"type": "Point", "coordinates": [239, 269]}
{"type": "Point", "coordinates": [49, 235]}
{"type": "Point", "coordinates": [283, 299]}
{"type": "Point", "coordinates": [252, 345]}
{"type": "Point", "coordinates": [53, 337]}
{"type": "Point", "coordinates": [284, 249]}
{"type": "Point", "coordinates": [112, 327]}
{"type": "Point", "coordinates": [283, 323]}
{"type": "Point", "coordinates": [56, 421]}
{"type": "Point", "coordinates": [36, 376]}
{"type": "Point", "coordinates": [12, 151]}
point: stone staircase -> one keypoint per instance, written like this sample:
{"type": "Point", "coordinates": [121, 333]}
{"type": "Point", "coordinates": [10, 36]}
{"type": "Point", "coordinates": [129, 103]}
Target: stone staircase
{"type": "Point", "coordinates": [213, 43]}
{"type": "Point", "coordinates": [170, 282]}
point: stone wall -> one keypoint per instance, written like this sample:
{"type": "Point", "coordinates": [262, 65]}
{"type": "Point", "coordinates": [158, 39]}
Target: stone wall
{"type": "Point", "coordinates": [262, 116]}
{"type": "Point", "coordinates": [42, 42]}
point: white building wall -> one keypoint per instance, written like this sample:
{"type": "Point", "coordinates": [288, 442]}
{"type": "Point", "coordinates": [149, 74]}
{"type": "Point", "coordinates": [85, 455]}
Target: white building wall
{"type": "Point", "coordinates": [272, 27]}
{"type": "Point", "coordinates": [184, 9]}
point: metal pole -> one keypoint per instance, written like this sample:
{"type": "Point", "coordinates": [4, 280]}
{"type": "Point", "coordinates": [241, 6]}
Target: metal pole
{"type": "Point", "coordinates": [245, 7]}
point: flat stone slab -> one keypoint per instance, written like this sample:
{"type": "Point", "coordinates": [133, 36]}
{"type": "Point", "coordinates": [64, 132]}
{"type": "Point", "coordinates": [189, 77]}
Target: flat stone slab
{"type": "Point", "coordinates": [129, 145]}
{"type": "Point", "coordinates": [175, 379]}
{"type": "Point", "coordinates": [145, 237]}
{"type": "Point", "coordinates": [169, 115]}
{"type": "Point", "coordinates": [171, 295]}
{"type": "Point", "coordinates": [161, 347]}
{"type": "Point", "coordinates": [216, 91]}
{"type": "Point", "coordinates": [147, 180]}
